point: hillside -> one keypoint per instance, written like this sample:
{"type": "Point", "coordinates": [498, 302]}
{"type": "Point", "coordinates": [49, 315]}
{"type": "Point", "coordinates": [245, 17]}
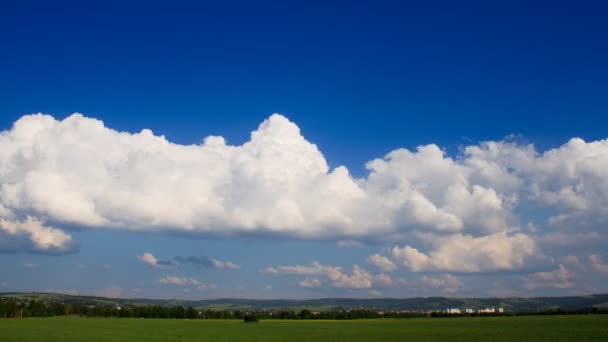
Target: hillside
{"type": "Point", "coordinates": [515, 304]}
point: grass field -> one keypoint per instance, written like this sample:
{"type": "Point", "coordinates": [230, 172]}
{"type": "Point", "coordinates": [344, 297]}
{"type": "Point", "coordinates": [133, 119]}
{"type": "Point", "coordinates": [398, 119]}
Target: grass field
{"type": "Point", "coordinates": [539, 328]}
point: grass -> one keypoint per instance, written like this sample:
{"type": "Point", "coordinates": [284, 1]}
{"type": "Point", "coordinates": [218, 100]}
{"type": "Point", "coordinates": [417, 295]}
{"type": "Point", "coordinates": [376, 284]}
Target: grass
{"type": "Point", "coordinates": [536, 328]}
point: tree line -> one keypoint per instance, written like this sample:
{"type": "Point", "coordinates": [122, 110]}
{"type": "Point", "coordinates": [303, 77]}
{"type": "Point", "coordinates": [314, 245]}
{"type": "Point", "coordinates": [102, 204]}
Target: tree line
{"type": "Point", "coordinates": [13, 308]}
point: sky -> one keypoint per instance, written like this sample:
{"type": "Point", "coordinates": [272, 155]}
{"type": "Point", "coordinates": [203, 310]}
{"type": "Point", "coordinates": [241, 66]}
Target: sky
{"type": "Point", "coordinates": [304, 149]}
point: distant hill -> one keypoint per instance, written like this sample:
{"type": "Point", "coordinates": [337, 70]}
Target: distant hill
{"type": "Point", "coordinates": [515, 304]}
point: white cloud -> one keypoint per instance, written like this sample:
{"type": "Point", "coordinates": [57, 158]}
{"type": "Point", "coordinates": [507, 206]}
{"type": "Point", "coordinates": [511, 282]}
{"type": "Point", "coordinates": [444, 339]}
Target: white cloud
{"type": "Point", "coordinates": [277, 182]}
{"type": "Point", "coordinates": [561, 278]}
{"type": "Point", "coordinates": [40, 238]}
{"type": "Point", "coordinates": [77, 172]}
{"type": "Point", "coordinates": [224, 265]}
{"type": "Point", "coordinates": [384, 279]}
{"type": "Point", "coordinates": [447, 283]}
{"type": "Point", "coordinates": [349, 243]}
{"type": "Point", "coordinates": [179, 281]}
{"type": "Point", "coordinates": [185, 281]}
{"type": "Point", "coordinates": [598, 264]}
{"type": "Point", "coordinates": [359, 279]}
{"type": "Point", "coordinates": [460, 253]}
{"type": "Point", "coordinates": [310, 282]}
{"type": "Point", "coordinates": [151, 260]}
{"type": "Point", "coordinates": [381, 262]}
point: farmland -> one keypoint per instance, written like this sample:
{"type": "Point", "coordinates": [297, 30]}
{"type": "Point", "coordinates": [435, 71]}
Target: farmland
{"type": "Point", "coordinates": [524, 328]}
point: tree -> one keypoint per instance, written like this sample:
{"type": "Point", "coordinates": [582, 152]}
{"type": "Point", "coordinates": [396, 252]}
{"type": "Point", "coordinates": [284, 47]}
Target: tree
{"type": "Point", "coordinates": [250, 318]}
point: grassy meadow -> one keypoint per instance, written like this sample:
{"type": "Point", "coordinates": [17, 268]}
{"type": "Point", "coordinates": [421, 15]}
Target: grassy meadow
{"type": "Point", "coordinates": [531, 328]}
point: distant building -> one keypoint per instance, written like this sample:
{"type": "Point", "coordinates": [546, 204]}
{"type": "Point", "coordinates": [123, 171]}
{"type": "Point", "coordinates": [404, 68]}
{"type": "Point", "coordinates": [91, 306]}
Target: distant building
{"type": "Point", "coordinates": [453, 311]}
{"type": "Point", "coordinates": [469, 310]}
{"type": "Point", "coordinates": [487, 310]}
{"type": "Point", "coordinates": [501, 310]}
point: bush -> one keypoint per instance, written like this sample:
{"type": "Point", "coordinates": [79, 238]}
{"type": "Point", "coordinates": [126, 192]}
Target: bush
{"type": "Point", "coordinates": [250, 318]}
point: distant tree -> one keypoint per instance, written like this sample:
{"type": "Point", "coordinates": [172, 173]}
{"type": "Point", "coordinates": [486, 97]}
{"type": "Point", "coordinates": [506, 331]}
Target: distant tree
{"type": "Point", "coordinates": [305, 314]}
{"type": "Point", "coordinates": [250, 318]}
{"type": "Point", "coordinates": [191, 313]}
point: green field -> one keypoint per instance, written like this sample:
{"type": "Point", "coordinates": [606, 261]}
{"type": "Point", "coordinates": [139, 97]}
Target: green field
{"type": "Point", "coordinates": [537, 328]}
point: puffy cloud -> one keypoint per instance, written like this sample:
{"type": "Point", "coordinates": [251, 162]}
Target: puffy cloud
{"type": "Point", "coordinates": [570, 179]}
{"type": "Point", "coordinates": [381, 262]}
{"type": "Point", "coordinates": [460, 253]}
{"type": "Point", "coordinates": [598, 264]}
{"type": "Point", "coordinates": [80, 172]}
{"type": "Point", "coordinates": [77, 172]}
{"type": "Point", "coordinates": [151, 260]}
{"type": "Point", "coordinates": [560, 278]}
{"type": "Point", "coordinates": [359, 279]}
{"type": "Point", "coordinates": [310, 283]}
{"type": "Point", "coordinates": [32, 234]}
{"type": "Point", "coordinates": [384, 279]}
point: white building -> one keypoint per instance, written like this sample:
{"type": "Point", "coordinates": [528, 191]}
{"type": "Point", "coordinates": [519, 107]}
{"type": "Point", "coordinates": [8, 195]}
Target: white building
{"type": "Point", "coordinates": [453, 311]}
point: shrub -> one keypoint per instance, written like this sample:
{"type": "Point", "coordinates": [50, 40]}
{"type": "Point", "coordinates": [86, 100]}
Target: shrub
{"type": "Point", "coordinates": [251, 318]}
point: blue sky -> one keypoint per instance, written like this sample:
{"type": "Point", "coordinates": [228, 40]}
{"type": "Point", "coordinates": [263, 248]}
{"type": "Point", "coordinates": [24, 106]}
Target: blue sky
{"type": "Point", "coordinates": [359, 80]}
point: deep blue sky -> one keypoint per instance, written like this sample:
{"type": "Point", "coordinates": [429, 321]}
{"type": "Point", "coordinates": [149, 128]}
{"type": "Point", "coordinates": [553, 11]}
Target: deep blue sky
{"type": "Point", "coordinates": [359, 78]}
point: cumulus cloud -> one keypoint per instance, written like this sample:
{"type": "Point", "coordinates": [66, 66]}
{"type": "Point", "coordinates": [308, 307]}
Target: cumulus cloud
{"type": "Point", "coordinates": [31, 234]}
{"type": "Point", "coordinates": [359, 279]}
{"type": "Point", "coordinates": [381, 262]}
{"type": "Point", "coordinates": [459, 253]}
{"type": "Point", "coordinates": [77, 172]}
{"type": "Point", "coordinates": [384, 279]}
{"type": "Point", "coordinates": [151, 260]}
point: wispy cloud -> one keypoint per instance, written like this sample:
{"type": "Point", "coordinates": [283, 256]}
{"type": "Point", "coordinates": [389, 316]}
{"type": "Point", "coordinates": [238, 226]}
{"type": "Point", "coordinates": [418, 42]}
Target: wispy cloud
{"type": "Point", "coordinates": [206, 262]}
{"type": "Point", "coordinates": [359, 279]}
{"type": "Point", "coordinates": [185, 281]}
